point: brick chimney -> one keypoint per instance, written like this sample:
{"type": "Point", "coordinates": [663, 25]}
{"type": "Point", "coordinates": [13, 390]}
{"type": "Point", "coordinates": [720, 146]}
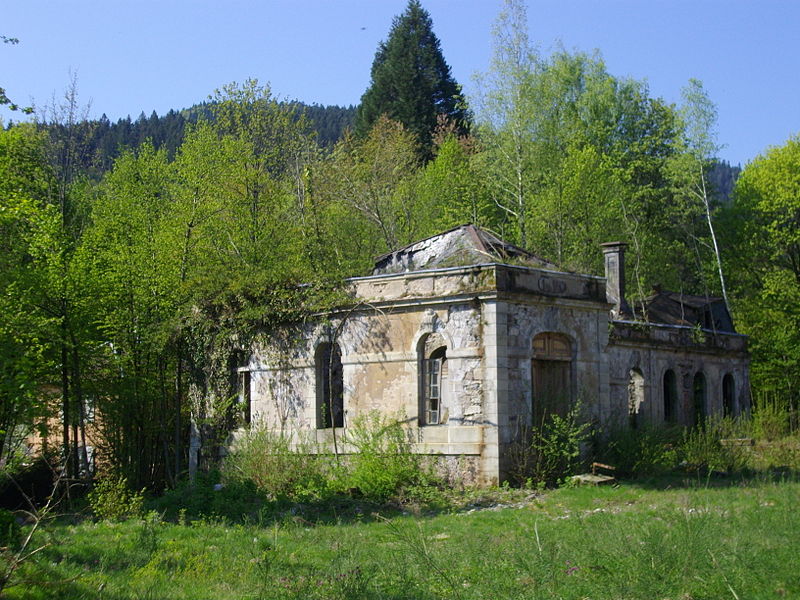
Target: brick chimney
{"type": "Point", "coordinates": [614, 255]}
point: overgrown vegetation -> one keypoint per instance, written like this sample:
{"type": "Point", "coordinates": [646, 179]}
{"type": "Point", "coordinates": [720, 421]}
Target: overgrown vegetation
{"type": "Point", "coordinates": [766, 441]}
{"type": "Point", "coordinates": [702, 537]}
{"type": "Point", "coordinates": [698, 513]}
{"type": "Point", "coordinates": [111, 499]}
{"type": "Point", "coordinates": [549, 454]}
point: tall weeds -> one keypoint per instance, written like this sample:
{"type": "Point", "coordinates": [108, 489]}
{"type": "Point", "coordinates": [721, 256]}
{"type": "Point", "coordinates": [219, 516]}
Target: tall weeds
{"type": "Point", "coordinates": [549, 453]}
{"type": "Point", "coordinates": [379, 463]}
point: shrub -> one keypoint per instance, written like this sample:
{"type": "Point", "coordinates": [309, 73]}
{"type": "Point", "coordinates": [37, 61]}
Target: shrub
{"type": "Point", "coordinates": [641, 452]}
{"type": "Point", "coordinates": [383, 463]}
{"type": "Point", "coordinates": [279, 469]}
{"type": "Point", "coordinates": [112, 499]}
{"type": "Point", "coordinates": [771, 418]}
{"type": "Point", "coordinates": [547, 455]}
{"type": "Point", "coordinates": [379, 464]}
{"type": "Point", "coordinates": [208, 497]}
{"type": "Point", "coordinates": [701, 447]}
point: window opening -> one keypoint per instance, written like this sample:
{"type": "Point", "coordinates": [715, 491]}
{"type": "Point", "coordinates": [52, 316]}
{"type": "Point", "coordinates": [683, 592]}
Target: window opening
{"type": "Point", "coordinates": [699, 397]}
{"type": "Point", "coordinates": [432, 356]}
{"type": "Point", "coordinates": [330, 387]}
{"type": "Point", "coordinates": [670, 397]}
{"type": "Point", "coordinates": [434, 376]}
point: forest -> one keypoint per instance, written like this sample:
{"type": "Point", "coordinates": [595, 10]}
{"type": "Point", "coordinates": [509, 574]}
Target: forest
{"type": "Point", "coordinates": [138, 257]}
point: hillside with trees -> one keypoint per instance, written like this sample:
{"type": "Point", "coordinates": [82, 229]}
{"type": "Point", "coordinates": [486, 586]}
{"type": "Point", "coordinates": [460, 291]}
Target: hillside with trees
{"type": "Point", "coordinates": [101, 142]}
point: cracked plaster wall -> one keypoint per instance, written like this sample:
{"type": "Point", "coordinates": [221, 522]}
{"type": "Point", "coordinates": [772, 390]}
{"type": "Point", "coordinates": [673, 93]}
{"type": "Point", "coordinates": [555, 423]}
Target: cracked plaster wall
{"type": "Point", "coordinates": [379, 364]}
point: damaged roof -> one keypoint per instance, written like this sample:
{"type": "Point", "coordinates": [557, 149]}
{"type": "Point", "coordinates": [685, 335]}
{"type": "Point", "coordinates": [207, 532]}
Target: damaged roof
{"type": "Point", "coordinates": [461, 246]}
{"type": "Point", "coordinates": [676, 308]}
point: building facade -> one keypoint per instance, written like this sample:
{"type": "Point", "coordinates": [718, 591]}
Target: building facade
{"type": "Point", "coordinates": [470, 340]}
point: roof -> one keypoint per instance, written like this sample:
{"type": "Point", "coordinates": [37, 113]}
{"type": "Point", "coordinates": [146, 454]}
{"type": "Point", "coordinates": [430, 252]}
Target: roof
{"type": "Point", "coordinates": [461, 246]}
{"type": "Point", "coordinates": [677, 308]}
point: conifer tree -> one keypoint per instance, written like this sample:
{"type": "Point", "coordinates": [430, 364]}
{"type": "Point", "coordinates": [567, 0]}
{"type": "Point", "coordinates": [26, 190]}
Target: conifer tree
{"type": "Point", "coordinates": [411, 82]}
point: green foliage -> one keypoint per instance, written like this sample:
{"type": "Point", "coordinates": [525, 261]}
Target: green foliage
{"type": "Point", "coordinates": [145, 292]}
{"type": "Point", "coordinates": [640, 452]}
{"type": "Point", "coordinates": [371, 178]}
{"type": "Point", "coordinates": [773, 417]}
{"type": "Point", "coordinates": [411, 82]}
{"type": "Point", "coordinates": [451, 188]}
{"type": "Point", "coordinates": [280, 467]}
{"type": "Point", "coordinates": [112, 499]}
{"type": "Point", "coordinates": [628, 541]}
{"type": "Point", "coordinates": [574, 156]}
{"type": "Point", "coordinates": [207, 497]}
{"type": "Point", "coordinates": [558, 444]}
{"type": "Point", "coordinates": [765, 264]}
{"type": "Point", "coordinates": [703, 447]}
{"type": "Point", "coordinates": [548, 454]}
{"type": "Point", "coordinates": [379, 464]}
{"type": "Point", "coordinates": [9, 530]}
{"type": "Point", "coordinates": [736, 446]}
{"type": "Point", "coordinates": [383, 463]}
{"type": "Point", "coordinates": [28, 240]}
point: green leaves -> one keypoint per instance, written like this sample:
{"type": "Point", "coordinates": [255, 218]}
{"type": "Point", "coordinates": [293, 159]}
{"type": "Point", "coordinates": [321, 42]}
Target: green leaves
{"type": "Point", "coordinates": [765, 260]}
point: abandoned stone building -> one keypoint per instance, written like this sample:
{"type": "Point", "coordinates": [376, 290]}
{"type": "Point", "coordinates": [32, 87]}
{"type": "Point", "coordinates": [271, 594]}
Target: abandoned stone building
{"type": "Point", "coordinates": [470, 339]}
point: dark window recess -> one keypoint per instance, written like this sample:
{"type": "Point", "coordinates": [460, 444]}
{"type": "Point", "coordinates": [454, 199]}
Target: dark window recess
{"type": "Point", "coordinates": [330, 387]}
{"type": "Point", "coordinates": [670, 397]}
{"type": "Point", "coordinates": [245, 409]}
{"type": "Point", "coordinates": [699, 398]}
{"type": "Point", "coordinates": [728, 396]}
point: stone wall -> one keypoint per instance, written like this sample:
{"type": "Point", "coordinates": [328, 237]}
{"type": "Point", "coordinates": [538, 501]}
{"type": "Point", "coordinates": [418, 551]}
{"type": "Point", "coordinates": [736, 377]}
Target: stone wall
{"type": "Point", "coordinates": [379, 352]}
{"type": "Point", "coordinates": [654, 349]}
{"type": "Point", "coordinates": [585, 324]}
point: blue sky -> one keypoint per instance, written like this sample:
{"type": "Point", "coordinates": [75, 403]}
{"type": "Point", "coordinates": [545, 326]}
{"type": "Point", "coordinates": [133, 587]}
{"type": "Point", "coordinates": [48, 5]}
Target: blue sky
{"type": "Point", "coordinates": [143, 56]}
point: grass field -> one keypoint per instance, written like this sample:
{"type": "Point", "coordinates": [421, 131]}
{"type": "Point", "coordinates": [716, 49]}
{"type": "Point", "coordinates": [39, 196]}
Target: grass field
{"type": "Point", "coordinates": [677, 538]}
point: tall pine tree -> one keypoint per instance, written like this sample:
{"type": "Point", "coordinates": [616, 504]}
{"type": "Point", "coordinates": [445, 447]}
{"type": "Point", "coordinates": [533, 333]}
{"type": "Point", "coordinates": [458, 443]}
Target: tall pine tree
{"type": "Point", "coordinates": [411, 82]}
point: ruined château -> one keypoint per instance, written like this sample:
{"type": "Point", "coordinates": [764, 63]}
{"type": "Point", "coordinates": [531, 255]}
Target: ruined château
{"type": "Point", "coordinates": [470, 340]}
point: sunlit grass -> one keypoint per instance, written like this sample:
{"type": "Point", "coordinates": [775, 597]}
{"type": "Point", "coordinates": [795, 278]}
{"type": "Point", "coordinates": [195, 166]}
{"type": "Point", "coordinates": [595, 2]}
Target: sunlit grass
{"type": "Point", "coordinates": [699, 538]}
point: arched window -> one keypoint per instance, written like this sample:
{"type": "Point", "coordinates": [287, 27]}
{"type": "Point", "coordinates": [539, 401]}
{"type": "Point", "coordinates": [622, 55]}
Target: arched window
{"type": "Point", "coordinates": [699, 398]}
{"type": "Point", "coordinates": [432, 359]}
{"type": "Point", "coordinates": [330, 386]}
{"type": "Point", "coordinates": [728, 395]}
{"type": "Point", "coordinates": [670, 393]}
{"type": "Point", "coordinates": [551, 370]}
{"type": "Point", "coordinates": [635, 397]}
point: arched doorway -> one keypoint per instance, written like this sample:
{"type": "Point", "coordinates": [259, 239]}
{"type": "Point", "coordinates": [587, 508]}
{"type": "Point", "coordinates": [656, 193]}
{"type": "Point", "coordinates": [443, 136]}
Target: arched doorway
{"type": "Point", "coordinates": [551, 371]}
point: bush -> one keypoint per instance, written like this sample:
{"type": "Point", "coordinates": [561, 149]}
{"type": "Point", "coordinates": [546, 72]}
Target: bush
{"type": "Point", "coordinates": [383, 463]}
{"type": "Point", "coordinates": [379, 463]}
{"type": "Point", "coordinates": [547, 455]}
{"type": "Point", "coordinates": [771, 418]}
{"type": "Point", "coordinates": [112, 499]}
{"type": "Point", "coordinates": [641, 452]}
{"type": "Point", "coordinates": [208, 497]}
{"type": "Point", "coordinates": [277, 469]}
{"type": "Point", "coordinates": [701, 447]}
